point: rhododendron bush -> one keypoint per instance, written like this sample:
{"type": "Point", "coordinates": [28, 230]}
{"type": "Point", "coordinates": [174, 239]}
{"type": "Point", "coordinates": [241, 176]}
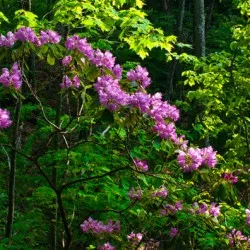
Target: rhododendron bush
{"type": "Point", "coordinates": [108, 166]}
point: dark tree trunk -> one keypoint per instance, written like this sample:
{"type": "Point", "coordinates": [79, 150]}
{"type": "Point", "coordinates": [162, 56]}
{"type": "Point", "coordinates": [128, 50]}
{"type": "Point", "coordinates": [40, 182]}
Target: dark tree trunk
{"type": "Point", "coordinates": [26, 4]}
{"type": "Point", "coordinates": [54, 215]}
{"type": "Point", "coordinates": [167, 5]}
{"type": "Point", "coordinates": [199, 29]}
{"type": "Point", "coordinates": [172, 67]}
{"type": "Point", "coordinates": [210, 14]}
{"type": "Point", "coordinates": [12, 176]}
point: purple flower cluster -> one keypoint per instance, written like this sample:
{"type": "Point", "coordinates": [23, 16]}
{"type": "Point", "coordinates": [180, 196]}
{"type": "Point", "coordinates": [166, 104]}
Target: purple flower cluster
{"type": "Point", "coordinates": [166, 130]}
{"type": "Point", "coordinates": [135, 237]}
{"type": "Point", "coordinates": [203, 208]}
{"type": "Point", "coordinates": [5, 121]}
{"type": "Point", "coordinates": [117, 71]}
{"type": "Point", "coordinates": [106, 246]}
{"type": "Point", "coordinates": [67, 82]}
{"type": "Point", "coordinates": [171, 209]}
{"type": "Point", "coordinates": [76, 43]}
{"type": "Point", "coordinates": [208, 157]}
{"type": "Point", "coordinates": [141, 165]}
{"type": "Point", "coordinates": [28, 34]}
{"type": "Point", "coordinates": [12, 77]}
{"type": "Point", "coordinates": [214, 210]}
{"type": "Point", "coordinates": [174, 232]}
{"type": "Point", "coordinates": [110, 93]}
{"type": "Point", "coordinates": [113, 97]}
{"type": "Point", "coordinates": [97, 227]}
{"type": "Point", "coordinates": [192, 158]}
{"type": "Point", "coordinates": [248, 216]}
{"type": "Point", "coordinates": [135, 194]}
{"type": "Point", "coordinates": [236, 237]}
{"type": "Point", "coordinates": [49, 36]}
{"type": "Point", "coordinates": [139, 75]}
{"type": "Point", "coordinates": [105, 59]}
{"type": "Point", "coordinates": [66, 61]}
{"type": "Point", "coordinates": [161, 110]}
{"type": "Point", "coordinates": [229, 177]}
{"type": "Point", "coordinates": [7, 41]}
{"type": "Point", "coordinates": [162, 192]}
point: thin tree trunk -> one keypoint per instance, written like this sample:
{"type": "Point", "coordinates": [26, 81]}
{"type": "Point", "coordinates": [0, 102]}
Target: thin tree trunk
{"type": "Point", "coordinates": [167, 5]}
{"type": "Point", "coordinates": [3, 4]}
{"type": "Point", "coordinates": [54, 220]}
{"type": "Point", "coordinates": [29, 7]}
{"type": "Point", "coordinates": [65, 222]}
{"type": "Point", "coordinates": [170, 88]}
{"type": "Point", "coordinates": [26, 4]}
{"type": "Point", "coordinates": [12, 176]}
{"type": "Point", "coordinates": [199, 29]}
{"type": "Point", "coordinates": [209, 18]}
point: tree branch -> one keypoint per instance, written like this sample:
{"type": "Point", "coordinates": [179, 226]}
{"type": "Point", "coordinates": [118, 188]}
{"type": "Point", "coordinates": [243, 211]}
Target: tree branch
{"type": "Point", "coordinates": [66, 185]}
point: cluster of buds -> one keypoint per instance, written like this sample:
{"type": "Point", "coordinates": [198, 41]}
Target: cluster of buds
{"type": "Point", "coordinates": [12, 77]}
{"type": "Point", "coordinates": [98, 227]}
{"type": "Point", "coordinates": [27, 34]}
{"type": "Point", "coordinates": [141, 165]}
{"type": "Point", "coordinates": [229, 177]}
{"type": "Point", "coordinates": [67, 82]}
{"type": "Point", "coordinates": [174, 232]}
{"type": "Point", "coordinates": [236, 238]}
{"type": "Point", "coordinates": [193, 158]}
{"type": "Point", "coordinates": [135, 194]}
{"type": "Point", "coordinates": [106, 246]}
{"type": "Point", "coordinates": [203, 208]}
{"type": "Point", "coordinates": [171, 209]}
{"type": "Point", "coordinates": [5, 121]}
{"type": "Point", "coordinates": [162, 192]}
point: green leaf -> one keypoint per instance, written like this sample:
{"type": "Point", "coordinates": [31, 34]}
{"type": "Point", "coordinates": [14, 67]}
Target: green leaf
{"type": "Point", "coordinates": [50, 59]}
{"type": "Point", "coordinates": [3, 18]}
{"type": "Point", "coordinates": [139, 3]}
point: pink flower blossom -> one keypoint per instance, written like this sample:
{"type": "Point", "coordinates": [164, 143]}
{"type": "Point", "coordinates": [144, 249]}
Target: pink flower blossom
{"type": "Point", "coordinates": [49, 36]}
{"type": "Point", "coordinates": [230, 177]}
{"type": "Point", "coordinates": [135, 194]}
{"type": "Point", "coordinates": [200, 209]}
{"type": "Point", "coordinates": [110, 93]}
{"type": "Point", "coordinates": [117, 70]}
{"type": "Point", "coordinates": [105, 59]}
{"type": "Point", "coordinates": [97, 227]}
{"type": "Point", "coordinates": [106, 246]}
{"type": "Point", "coordinates": [7, 41]}
{"type": "Point", "coordinates": [209, 157]}
{"type": "Point", "coordinates": [248, 216]}
{"type": "Point", "coordinates": [190, 160]}
{"type": "Point", "coordinates": [162, 192]}
{"type": "Point", "coordinates": [66, 60]}
{"type": "Point", "coordinates": [214, 210]}
{"type": "Point", "coordinates": [12, 77]}
{"type": "Point", "coordinates": [141, 165]}
{"type": "Point", "coordinates": [171, 209]}
{"type": "Point", "coordinates": [76, 81]}
{"type": "Point", "coordinates": [236, 237]}
{"type": "Point", "coordinates": [139, 75]}
{"type": "Point", "coordinates": [67, 83]}
{"type": "Point", "coordinates": [26, 34]}
{"type": "Point", "coordinates": [135, 237]}
{"type": "Point", "coordinates": [174, 232]}
{"type": "Point", "coordinates": [5, 121]}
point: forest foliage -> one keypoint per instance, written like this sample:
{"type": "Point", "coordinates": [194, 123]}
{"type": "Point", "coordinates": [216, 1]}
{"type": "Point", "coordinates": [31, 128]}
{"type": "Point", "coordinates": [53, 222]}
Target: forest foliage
{"type": "Point", "coordinates": [118, 130]}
